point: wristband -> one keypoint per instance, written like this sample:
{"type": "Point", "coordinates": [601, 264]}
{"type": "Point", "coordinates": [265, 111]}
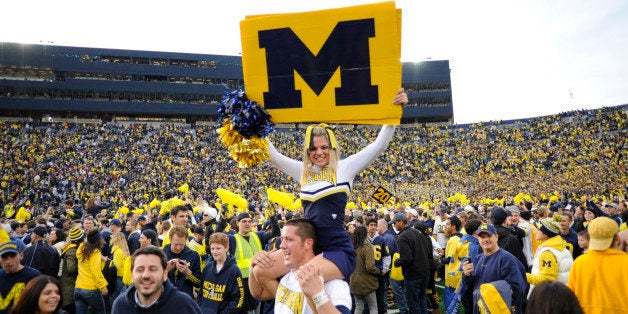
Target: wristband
{"type": "Point", "coordinates": [320, 299]}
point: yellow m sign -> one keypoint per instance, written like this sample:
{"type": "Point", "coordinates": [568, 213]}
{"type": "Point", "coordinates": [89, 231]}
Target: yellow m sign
{"type": "Point", "coordinates": [339, 65]}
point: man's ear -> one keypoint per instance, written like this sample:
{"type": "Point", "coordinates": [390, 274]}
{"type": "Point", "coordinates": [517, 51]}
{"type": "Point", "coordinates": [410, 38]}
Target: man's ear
{"type": "Point", "coordinates": [615, 244]}
{"type": "Point", "coordinates": [309, 244]}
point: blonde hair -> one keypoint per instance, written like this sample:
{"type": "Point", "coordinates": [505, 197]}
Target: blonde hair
{"type": "Point", "coordinates": [334, 152]}
{"type": "Point", "coordinates": [543, 211]}
{"type": "Point", "coordinates": [90, 203]}
{"type": "Point", "coordinates": [117, 238]}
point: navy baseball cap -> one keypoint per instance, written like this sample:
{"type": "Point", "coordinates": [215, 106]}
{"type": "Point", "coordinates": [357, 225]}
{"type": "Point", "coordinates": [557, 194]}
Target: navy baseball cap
{"type": "Point", "coordinates": [486, 228]}
{"type": "Point", "coordinates": [9, 247]}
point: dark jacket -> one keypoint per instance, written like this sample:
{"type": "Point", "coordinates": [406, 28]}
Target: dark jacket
{"type": "Point", "coordinates": [221, 291]}
{"type": "Point", "coordinates": [96, 209]}
{"type": "Point", "coordinates": [42, 257]}
{"type": "Point", "coordinates": [391, 242]}
{"type": "Point", "coordinates": [106, 238]}
{"type": "Point", "coordinates": [133, 241]}
{"type": "Point", "coordinates": [69, 272]}
{"type": "Point", "coordinates": [170, 301]}
{"type": "Point", "coordinates": [364, 279]}
{"type": "Point", "coordinates": [415, 252]}
{"type": "Point", "coordinates": [572, 238]}
{"type": "Point", "coordinates": [509, 242]}
{"type": "Point", "coordinates": [194, 263]}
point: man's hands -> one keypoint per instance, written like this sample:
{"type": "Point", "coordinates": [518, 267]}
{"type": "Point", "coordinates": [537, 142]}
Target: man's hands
{"type": "Point", "coordinates": [263, 259]}
{"type": "Point", "coordinates": [467, 268]}
{"type": "Point", "coordinates": [310, 280]}
{"type": "Point", "coordinates": [181, 265]}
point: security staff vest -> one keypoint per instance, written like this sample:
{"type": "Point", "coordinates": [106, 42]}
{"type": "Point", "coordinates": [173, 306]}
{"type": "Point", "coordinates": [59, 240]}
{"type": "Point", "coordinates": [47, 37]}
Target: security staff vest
{"type": "Point", "coordinates": [245, 250]}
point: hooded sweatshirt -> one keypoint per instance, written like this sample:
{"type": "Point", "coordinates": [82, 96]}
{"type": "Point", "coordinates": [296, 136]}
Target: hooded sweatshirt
{"type": "Point", "coordinates": [222, 291]}
{"type": "Point", "coordinates": [170, 301]}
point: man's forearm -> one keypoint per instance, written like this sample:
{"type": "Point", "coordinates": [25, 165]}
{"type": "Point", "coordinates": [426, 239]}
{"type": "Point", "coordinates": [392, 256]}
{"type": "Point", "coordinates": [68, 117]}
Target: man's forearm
{"type": "Point", "coordinates": [258, 290]}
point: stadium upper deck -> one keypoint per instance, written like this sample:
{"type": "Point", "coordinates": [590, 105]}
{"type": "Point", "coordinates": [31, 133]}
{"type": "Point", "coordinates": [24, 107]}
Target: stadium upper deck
{"type": "Point", "coordinates": [40, 80]}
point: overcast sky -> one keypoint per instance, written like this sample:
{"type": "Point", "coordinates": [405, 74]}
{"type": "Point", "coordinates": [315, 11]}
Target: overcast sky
{"type": "Point", "coordinates": [508, 59]}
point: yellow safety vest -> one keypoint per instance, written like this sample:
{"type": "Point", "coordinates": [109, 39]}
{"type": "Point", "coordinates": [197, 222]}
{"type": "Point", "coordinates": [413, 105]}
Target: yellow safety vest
{"type": "Point", "coordinates": [245, 251]}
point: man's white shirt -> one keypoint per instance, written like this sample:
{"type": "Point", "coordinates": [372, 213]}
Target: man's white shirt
{"type": "Point", "coordinates": [290, 298]}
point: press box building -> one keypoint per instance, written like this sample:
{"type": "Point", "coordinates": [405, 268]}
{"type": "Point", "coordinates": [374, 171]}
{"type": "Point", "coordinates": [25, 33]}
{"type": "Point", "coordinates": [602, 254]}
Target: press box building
{"type": "Point", "coordinates": [108, 84]}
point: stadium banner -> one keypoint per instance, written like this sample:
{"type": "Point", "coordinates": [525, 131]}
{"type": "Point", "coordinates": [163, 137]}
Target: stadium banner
{"type": "Point", "coordinates": [336, 66]}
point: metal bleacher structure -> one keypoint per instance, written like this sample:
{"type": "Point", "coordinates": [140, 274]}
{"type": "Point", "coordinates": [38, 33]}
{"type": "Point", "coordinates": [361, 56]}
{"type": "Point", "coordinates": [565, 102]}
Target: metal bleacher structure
{"type": "Point", "coordinates": [53, 83]}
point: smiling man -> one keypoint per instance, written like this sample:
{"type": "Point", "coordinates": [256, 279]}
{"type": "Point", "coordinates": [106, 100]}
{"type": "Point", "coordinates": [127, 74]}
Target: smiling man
{"type": "Point", "coordinates": [303, 282]}
{"type": "Point", "coordinates": [151, 291]}
{"type": "Point", "coordinates": [495, 264]}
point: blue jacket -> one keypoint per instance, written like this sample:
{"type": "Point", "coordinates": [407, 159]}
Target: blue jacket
{"type": "Point", "coordinates": [170, 301]}
{"type": "Point", "coordinates": [379, 246]}
{"type": "Point", "coordinates": [178, 280]}
{"type": "Point", "coordinates": [11, 283]}
{"type": "Point", "coordinates": [500, 265]}
{"type": "Point", "coordinates": [572, 239]}
{"type": "Point", "coordinates": [221, 292]}
{"type": "Point", "coordinates": [390, 241]}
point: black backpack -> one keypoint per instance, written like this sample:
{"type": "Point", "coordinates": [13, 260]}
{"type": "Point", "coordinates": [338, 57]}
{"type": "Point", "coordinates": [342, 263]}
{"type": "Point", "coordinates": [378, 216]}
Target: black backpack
{"type": "Point", "coordinates": [111, 275]}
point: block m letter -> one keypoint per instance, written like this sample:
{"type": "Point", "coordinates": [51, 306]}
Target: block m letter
{"type": "Point", "coordinates": [347, 47]}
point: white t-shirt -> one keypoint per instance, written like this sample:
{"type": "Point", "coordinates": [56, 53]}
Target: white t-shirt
{"type": "Point", "coordinates": [439, 227]}
{"type": "Point", "coordinates": [290, 298]}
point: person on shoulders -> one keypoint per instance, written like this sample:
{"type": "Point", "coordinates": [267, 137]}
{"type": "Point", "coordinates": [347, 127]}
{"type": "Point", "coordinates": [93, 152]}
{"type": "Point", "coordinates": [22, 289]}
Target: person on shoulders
{"type": "Point", "coordinates": [302, 289]}
{"type": "Point", "coordinates": [325, 186]}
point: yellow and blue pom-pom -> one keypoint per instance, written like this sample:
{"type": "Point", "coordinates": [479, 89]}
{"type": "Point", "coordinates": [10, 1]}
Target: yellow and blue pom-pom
{"type": "Point", "coordinates": [244, 124]}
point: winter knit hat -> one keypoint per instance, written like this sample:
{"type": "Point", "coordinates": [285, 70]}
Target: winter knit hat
{"type": "Point", "coordinates": [75, 234]}
{"type": "Point", "coordinates": [551, 226]}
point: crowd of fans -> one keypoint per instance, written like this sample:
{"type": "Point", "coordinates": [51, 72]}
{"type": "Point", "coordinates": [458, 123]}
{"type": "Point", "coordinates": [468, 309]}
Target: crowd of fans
{"type": "Point", "coordinates": [52, 174]}
{"type": "Point", "coordinates": [575, 154]}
